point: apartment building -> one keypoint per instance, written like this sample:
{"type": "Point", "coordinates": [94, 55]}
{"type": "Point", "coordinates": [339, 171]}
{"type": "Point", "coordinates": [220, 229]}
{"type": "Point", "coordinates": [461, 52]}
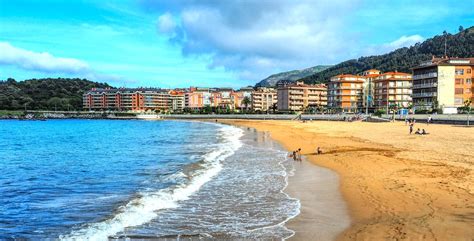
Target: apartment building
{"type": "Point", "coordinates": [125, 99]}
{"type": "Point", "coordinates": [346, 93]}
{"type": "Point", "coordinates": [369, 88]}
{"type": "Point", "coordinates": [444, 83]}
{"type": "Point", "coordinates": [197, 98]}
{"type": "Point", "coordinates": [177, 100]}
{"type": "Point", "coordinates": [263, 99]}
{"type": "Point", "coordinates": [239, 96]}
{"type": "Point", "coordinates": [392, 89]}
{"type": "Point", "coordinates": [299, 96]}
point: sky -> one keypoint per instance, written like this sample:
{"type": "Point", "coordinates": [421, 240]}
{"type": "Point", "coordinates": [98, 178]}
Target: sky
{"type": "Point", "coordinates": [218, 43]}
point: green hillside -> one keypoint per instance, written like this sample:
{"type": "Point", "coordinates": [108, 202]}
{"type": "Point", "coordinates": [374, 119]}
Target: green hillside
{"type": "Point", "coordinates": [293, 75]}
{"type": "Point", "coordinates": [45, 94]}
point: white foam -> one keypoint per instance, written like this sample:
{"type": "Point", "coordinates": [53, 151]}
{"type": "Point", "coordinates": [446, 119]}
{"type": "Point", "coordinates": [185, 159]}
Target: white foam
{"type": "Point", "coordinates": [144, 209]}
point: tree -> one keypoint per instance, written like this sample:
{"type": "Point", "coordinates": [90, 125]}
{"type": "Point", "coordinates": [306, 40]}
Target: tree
{"type": "Point", "coordinates": [461, 28]}
{"type": "Point", "coordinates": [246, 102]}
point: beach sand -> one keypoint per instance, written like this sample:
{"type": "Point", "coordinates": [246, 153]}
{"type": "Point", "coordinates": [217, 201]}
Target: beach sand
{"type": "Point", "coordinates": [397, 186]}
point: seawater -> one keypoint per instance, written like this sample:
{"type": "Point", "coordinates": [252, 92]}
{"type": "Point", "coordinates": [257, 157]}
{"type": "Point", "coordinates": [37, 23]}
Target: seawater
{"type": "Point", "coordinates": [107, 179]}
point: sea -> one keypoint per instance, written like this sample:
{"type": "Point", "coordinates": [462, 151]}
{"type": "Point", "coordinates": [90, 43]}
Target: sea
{"type": "Point", "coordinates": [137, 179]}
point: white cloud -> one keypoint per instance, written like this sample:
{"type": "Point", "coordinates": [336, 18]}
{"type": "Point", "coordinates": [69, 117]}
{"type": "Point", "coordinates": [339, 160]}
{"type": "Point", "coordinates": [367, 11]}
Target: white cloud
{"type": "Point", "coordinates": [258, 38]}
{"type": "Point", "coordinates": [43, 62]}
{"type": "Point", "coordinates": [405, 41]}
{"type": "Point", "coordinates": [166, 23]}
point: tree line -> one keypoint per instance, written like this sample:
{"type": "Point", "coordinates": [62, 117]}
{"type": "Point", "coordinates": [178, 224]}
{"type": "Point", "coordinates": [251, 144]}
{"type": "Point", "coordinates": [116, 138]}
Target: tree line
{"type": "Point", "coordinates": [45, 94]}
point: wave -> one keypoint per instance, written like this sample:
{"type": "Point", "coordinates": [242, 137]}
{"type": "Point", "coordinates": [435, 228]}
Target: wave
{"type": "Point", "coordinates": [144, 208]}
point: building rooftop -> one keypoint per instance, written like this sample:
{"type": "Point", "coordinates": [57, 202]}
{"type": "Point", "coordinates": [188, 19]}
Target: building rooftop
{"type": "Point", "coordinates": [446, 61]}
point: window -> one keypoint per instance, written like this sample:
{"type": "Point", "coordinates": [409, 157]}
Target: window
{"type": "Point", "coordinates": [468, 71]}
{"type": "Point", "coordinates": [458, 101]}
{"type": "Point", "coordinates": [467, 91]}
{"type": "Point", "coordinates": [459, 81]}
{"type": "Point", "coordinates": [468, 81]}
{"type": "Point", "coordinates": [458, 91]}
{"type": "Point", "coordinates": [459, 71]}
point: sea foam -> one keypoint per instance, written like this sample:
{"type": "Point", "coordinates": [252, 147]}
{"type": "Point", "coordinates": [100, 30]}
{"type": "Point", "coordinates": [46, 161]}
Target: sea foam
{"type": "Point", "coordinates": [144, 208]}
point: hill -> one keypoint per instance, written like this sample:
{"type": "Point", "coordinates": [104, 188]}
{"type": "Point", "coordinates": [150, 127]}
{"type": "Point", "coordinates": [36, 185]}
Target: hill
{"type": "Point", "coordinates": [403, 59]}
{"type": "Point", "coordinates": [45, 94]}
{"type": "Point", "coordinates": [290, 75]}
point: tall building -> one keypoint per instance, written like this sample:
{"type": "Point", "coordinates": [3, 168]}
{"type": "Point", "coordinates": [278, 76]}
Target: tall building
{"type": "Point", "coordinates": [263, 99]}
{"type": "Point", "coordinates": [392, 88]}
{"type": "Point", "coordinates": [299, 96]}
{"type": "Point", "coordinates": [443, 83]}
{"type": "Point", "coordinates": [346, 93]}
{"type": "Point", "coordinates": [369, 88]}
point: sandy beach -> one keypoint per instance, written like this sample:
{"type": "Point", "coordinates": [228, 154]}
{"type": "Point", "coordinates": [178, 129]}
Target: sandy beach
{"type": "Point", "coordinates": [396, 186]}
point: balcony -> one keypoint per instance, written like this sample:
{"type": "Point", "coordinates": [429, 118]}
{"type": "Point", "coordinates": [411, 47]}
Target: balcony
{"type": "Point", "coordinates": [425, 76]}
{"type": "Point", "coordinates": [421, 95]}
{"type": "Point", "coordinates": [421, 86]}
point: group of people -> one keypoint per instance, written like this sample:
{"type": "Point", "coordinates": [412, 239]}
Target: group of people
{"type": "Point", "coordinates": [421, 132]}
{"type": "Point", "coordinates": [296, 155]}
{"type": "Point", "coordinates": [411, 123]}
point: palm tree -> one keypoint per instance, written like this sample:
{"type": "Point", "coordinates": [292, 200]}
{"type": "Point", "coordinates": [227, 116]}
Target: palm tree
{"type": "Point", "coordinates": [246, 101]}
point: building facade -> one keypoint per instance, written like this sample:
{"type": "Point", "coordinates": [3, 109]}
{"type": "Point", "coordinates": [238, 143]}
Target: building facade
{"type": "Point", "coordinates": [346, 93]}
{"type": "Point", "coordinates": [264, 99]}
{"type": "Point", "coordinates": [392, 89]}
{"type": "Point", "coordinates": [299, 96]}
{"type": "Point", "coordinates": [369, 88]}
{"type": "Point", "coordinates": [443, 83]}
{"type": "Point", "coordinates": [125, 99]}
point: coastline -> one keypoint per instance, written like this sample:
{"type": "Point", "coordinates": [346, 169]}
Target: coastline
{"type": "Point", "coordinates": [400, 187]}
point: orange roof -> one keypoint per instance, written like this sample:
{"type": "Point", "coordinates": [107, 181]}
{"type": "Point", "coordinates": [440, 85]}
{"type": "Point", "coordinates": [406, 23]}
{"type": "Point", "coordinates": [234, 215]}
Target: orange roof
{"type": "Point", "coordinates": [371, 75]}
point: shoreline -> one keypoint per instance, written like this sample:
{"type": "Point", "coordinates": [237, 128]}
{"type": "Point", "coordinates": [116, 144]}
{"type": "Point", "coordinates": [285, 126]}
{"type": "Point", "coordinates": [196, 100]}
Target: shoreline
{"type": "Point", "coordinates": [317, 190]}
{"type": "Point", "coordinates": [402, 187]}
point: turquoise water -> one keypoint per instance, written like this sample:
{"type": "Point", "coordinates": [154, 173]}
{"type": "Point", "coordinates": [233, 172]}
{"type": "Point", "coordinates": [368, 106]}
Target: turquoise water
{"type": "Point", "coordinates": [94, 179]}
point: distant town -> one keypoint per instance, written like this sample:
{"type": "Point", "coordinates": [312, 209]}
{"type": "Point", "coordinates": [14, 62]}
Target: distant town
{"type": "Point", "coordinates": [442, 85]}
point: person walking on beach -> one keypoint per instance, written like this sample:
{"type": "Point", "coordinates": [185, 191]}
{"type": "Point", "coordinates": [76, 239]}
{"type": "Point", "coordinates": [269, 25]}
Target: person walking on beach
{"type": "Point", "coordinates": [294, 155]}
{"type": "Point", "coordinates": [428, 121]}
{"type": "Point", "coordinates": [299, 154]}
{"type": "Point", "coordinates": [411, 127]}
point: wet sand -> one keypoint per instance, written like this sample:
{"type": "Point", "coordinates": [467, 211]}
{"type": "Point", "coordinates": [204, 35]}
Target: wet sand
{"type": "Point", "coordinates": [397, 186]}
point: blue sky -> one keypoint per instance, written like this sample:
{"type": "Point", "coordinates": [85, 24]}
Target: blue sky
{"type": "Point", "coordinates": [184, 43]}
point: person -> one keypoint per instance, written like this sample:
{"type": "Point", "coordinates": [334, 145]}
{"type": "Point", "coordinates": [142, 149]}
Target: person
{"type": "Point", "coordinates": [428, 121]}
{"type": "Point", "coordinates": [423, 132]}
{"type": "Point", "coordinates": [318, 151]}
{"type": "Point", "coordinates": [294, 155]}
{"type": "Point", "coordinates": [299, 154]}
{"type": "Point", "coordinates": [411, 127]}
{"type": "Point", "coordinates": [418, 132]}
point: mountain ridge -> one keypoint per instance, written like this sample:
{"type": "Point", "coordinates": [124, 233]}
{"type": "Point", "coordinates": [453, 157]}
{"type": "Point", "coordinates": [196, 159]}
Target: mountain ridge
{"type": "Point", "coordinates": [292, 75]}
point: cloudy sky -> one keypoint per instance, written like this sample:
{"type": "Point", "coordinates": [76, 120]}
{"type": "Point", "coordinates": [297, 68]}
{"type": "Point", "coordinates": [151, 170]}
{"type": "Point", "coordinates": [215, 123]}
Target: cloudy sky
{"type": "Point", "coordinates": [179, 43]}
